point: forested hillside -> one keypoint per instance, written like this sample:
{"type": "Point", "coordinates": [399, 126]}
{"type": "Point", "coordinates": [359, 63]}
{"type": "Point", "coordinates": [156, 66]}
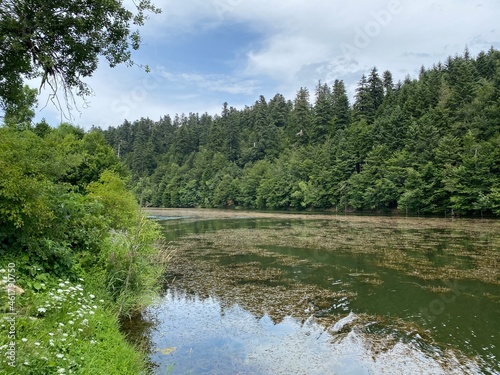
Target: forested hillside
{"type": "Point", "coordinates": [426, 145]}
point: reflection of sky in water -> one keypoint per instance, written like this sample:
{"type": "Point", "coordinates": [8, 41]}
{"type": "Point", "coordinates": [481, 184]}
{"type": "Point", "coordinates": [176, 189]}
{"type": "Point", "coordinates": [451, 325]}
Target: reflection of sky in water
{"type": "Point", "coordinates": [405, 324]}
{"type": "Point", "coordinates": [211, 339]}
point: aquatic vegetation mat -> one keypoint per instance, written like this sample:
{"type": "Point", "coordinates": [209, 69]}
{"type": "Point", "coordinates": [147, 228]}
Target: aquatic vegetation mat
{"type": "Point", "coordinates": [425, 289]}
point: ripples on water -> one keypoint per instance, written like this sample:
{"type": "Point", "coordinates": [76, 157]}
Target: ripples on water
{"type": "Point", "coordinates": [212, 339]}
{"type": "Point", "coordinates": [293, 297]}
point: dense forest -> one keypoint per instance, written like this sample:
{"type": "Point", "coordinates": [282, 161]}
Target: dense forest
{"type": "Point", "coordinates": [427, 145]}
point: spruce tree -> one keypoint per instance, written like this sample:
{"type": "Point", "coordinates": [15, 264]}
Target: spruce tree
{"type": "Point", "coordinates": [340, 106]}
{"type": "Point", "coordinates": [323, 113]}
{"type": "Point", "coordinates": [301, 119]}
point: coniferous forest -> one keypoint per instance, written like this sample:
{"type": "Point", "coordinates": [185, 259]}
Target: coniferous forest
{"type": "Point", "coordinates": [427, 145]}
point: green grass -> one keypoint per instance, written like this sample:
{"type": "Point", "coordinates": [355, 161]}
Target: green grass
{"type": "Point", "coordinates": [67, 329]}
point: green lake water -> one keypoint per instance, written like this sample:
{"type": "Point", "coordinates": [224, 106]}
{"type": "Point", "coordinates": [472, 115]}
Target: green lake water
{"type": "Point", "coordinates": [337, 296]}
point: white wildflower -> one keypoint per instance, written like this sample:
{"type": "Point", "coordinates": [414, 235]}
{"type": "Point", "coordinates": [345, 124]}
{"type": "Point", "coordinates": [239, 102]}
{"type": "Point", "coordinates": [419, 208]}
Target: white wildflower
{"type": "Point", "coordinates": [59, 355]}
{"type": "Point", "coordinates": [24, 339]}
{"type": "Point", "coordinates": [42, 309]}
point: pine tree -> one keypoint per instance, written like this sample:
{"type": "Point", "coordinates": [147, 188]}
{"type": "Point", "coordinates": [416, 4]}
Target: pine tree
{"type": "Point", "coordinates": [301, 119]}
{"type": "Point", "coordinates": [323, 113]}
{"type": "Point", "coordinates": [387, 82]}
{"type": "Point", "coordinates": [376, 89]}
{"type": "Point", "coordinates": [231, 124]}
{"type": "Point", "coordinates": [363, 104]}
{"type": "Point", "coordinates": [340, 107]}
{"type": "Point", "coordinates": [369, 96]}
{"type": "Point", "coordinates": [279, 110]}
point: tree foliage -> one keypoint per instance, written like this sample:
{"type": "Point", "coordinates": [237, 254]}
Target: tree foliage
{"type": "Point", "coordinates": [59, 195]}
{"type": "Point", "coordinates": [61, 41]}
{"type": "Point", "coordinates": [424, 145]}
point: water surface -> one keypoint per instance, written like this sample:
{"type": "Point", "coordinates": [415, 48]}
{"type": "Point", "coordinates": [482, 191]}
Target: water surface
{"type": "Point", "coordinates": [330, 296]}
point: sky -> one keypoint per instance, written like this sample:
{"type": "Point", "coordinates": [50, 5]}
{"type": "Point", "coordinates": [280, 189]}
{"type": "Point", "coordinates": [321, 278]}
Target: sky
{"type": "Point", "coordinates": [203, 53]}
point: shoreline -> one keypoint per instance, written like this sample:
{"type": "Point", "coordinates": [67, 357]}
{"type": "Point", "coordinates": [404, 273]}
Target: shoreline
{"type": "Point", "coordinates": [212, 214]}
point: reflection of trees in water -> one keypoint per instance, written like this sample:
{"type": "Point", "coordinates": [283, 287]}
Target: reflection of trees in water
{"type": "Point", "coordinates": [262, 291]}
{"type": "Point", "coordinates": [314, 269]}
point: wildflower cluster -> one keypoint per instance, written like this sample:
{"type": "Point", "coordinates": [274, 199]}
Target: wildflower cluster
{"type": "Point", "coordinates": [58, 323]}
{"type": "Point", "coordinates": [58, 299]}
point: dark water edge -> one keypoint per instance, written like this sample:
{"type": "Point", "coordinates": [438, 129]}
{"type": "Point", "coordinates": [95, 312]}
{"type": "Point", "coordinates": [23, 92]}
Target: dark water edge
{"type": "Point", "coordinates": [394, 213]}
{"type": "Point", "coordinates": [391, 320]}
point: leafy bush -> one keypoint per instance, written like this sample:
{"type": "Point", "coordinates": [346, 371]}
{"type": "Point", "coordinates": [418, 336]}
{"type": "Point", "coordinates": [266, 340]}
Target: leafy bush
{"type": "Point", "coordinates": [65, 213]}
{"type": "Point", "coordinates": [120, 208]}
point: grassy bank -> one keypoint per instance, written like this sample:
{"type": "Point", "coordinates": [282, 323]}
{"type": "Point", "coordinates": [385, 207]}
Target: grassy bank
{"type": "Point", "coordinates": [71, 326]}
{"type": "Point", "coordinates": [66, 330]}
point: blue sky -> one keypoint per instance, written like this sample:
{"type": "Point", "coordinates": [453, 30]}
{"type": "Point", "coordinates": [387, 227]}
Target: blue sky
{"type": "Point", "coordinates": [203, 53]}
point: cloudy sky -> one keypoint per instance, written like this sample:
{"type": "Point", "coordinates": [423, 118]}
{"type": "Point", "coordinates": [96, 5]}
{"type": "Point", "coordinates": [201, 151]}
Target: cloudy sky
{"type": "Point", "coordinates": [203, 53]}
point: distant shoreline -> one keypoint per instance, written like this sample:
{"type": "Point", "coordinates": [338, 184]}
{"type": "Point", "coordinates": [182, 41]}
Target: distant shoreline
{"type": "Point", "coordinates": [211, 213]}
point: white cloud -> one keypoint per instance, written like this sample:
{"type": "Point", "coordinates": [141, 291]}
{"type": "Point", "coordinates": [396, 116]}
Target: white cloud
{"type": "Point", "coordinates": [284, 56]}
{"type": "Point", "coordinates": [213, 82]}
{"type": "Point", "coordinates": [130, 93]}
{"type": "Point", "coordinates": [300, 42]}
{"type": "Point", "coordinates": [351, 38]}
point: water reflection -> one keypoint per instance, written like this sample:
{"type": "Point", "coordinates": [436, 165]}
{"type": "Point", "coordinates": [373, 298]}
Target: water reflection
{"type": "Point", "coordinates": [261, 296]}
{"type": "Point", "coordinates": [204, 336]}
{"type": "Point", "coordinates": [210, 338]}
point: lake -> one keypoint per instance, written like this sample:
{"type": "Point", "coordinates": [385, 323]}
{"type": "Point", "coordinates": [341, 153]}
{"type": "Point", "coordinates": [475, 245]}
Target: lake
{"type": "Point", "coordinates": [255, 293]}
